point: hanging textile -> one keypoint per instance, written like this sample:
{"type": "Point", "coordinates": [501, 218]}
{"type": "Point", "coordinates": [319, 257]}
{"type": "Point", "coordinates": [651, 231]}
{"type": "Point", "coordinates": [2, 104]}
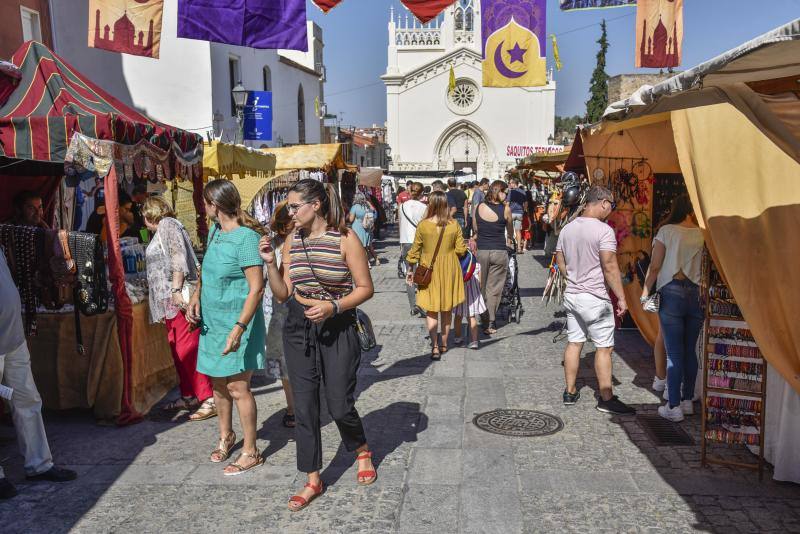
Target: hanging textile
{"type": "Point", "coordinates": [556, 55]}
{"type": "Point", "coordinates": [426, 10]}
{"type": "Point", "coordinates": [513, 43]}
{"type": "Point", "coordinates": [252, 23]}
{"type": "Point", "coordinates": [574, 5]}
{"type": "Point", "coordinates": [659, 33]}
{"type": "Point", "coordinates": [126, 27]}
{"type": "Point", "coordinates": [326, 5]}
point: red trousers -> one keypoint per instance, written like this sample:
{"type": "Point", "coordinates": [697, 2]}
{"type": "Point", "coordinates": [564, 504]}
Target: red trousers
{"type": "Point", "coordinates": [183, 343]}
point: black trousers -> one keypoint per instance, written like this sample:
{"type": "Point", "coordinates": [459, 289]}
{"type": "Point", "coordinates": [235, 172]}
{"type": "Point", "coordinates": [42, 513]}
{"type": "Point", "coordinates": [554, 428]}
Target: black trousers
{"type": "Point", "coordinates": [327, 354]}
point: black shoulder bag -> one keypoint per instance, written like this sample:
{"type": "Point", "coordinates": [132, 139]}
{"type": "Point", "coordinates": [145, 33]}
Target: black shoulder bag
{"type": "Point", "coordinates": [90, 294]}
{"type": "Point", "coordinates": [366, 334]}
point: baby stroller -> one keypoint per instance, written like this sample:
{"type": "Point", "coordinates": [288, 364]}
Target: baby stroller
{"type": "Point", "coordinates": [511, 302]}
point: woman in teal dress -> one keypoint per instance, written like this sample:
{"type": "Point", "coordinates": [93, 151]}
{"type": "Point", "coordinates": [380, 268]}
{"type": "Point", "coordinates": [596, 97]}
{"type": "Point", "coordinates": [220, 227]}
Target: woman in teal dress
{"type": "Point", "coordinates": [360, 208]}
{"type": "Point", "coordinates": [227, 307]}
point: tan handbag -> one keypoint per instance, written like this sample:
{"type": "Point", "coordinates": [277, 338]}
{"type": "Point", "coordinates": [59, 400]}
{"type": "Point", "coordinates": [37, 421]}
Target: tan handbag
{"type": "Point", "coordinates": [423, 273]}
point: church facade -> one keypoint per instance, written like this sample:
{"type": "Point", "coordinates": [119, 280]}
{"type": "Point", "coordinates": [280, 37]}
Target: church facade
{"type": "Point", "coordinates": [480, 130]}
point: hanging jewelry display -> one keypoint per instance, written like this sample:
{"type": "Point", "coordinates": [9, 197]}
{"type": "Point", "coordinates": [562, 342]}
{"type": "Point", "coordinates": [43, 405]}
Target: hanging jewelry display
{"type": "Point", "coordinates": [734, 375]}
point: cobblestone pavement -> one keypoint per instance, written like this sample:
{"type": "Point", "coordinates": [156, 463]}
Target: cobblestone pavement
{"type": "Point", "coordinates": [438, 472]}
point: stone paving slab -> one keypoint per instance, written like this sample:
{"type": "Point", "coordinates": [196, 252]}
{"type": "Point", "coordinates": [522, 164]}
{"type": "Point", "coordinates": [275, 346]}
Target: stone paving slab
{"type": "Point", "coordinates": [438, 473]}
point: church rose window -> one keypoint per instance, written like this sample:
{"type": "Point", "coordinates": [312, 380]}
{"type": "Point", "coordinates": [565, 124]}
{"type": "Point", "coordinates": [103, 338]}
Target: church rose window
{"type": "Point", "coordinates": [464, 94]}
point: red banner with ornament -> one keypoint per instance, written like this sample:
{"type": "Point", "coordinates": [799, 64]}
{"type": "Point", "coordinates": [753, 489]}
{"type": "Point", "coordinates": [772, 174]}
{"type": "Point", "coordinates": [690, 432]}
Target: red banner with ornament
{"type": "Point", "coordinates": [424, 10]}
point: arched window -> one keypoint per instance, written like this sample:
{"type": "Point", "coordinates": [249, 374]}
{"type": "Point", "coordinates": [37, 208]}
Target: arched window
{"type": "Point", "coordinates": [468, 19]}
{"type": "Point", "coordinates": [267, 75]}
{"type": "Point", "coordinates": [301, 116]}
{"type": "Point", "coordinates": [459, 18]}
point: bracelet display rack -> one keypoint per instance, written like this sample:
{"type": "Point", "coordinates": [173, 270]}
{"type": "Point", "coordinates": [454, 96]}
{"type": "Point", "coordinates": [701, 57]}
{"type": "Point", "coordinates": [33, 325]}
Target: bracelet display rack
{"type": "Point", "coordinates": [734, 376]}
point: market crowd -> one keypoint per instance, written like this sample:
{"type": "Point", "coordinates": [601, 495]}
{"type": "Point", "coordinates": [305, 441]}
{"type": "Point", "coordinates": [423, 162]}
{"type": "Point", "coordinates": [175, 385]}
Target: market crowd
{"type": "Point", "coordinates": [310, 269]}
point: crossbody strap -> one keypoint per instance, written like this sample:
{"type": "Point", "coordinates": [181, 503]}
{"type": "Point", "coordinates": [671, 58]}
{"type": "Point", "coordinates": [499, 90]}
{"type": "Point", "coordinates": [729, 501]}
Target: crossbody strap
{"type": "Point", "coordinates": [403, 211]}
{"type": "Point", "coordinates": [438, 244]}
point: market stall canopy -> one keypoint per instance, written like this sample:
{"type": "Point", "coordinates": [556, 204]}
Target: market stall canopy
{"type": "Point", "coordinates": [731, 128]}
{"type": "Point", "coordinates": [370, 176]}
{"type": "Point", "coordinates": [52, 101]}
{"type": "Point", "coordinates": [309, 157]}
{"type": "Point", "coordinates": [546, 162]}
{"type": "Point", "coordinates": [771, 56]}
{"type": "Point", "coordinates": [226, 160]}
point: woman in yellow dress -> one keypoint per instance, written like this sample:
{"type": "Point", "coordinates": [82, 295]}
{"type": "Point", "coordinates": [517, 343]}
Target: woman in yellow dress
{"type": "Point", "coordinates": [446, 289]}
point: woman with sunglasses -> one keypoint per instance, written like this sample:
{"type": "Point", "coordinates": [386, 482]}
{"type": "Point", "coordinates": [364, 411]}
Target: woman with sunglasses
{"type": "Point", "coordinates": [227, 305]}
{"type": "Point", "coordinates": [323, 277]}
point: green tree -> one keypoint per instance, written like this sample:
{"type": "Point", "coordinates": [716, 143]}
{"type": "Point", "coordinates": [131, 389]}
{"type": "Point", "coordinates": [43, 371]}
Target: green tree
{"type": "Point", "coordinates": [598, 102]}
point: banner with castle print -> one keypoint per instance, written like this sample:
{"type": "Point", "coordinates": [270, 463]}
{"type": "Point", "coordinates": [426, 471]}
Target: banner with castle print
{"type": "Point", "coordinates": [126, 27]}
{"type": "Point", "coordinates": [659, 33]}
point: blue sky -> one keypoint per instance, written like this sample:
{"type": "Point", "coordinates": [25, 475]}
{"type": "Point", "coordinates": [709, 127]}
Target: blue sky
{"type": "Point", "coordinates": [355, 35]}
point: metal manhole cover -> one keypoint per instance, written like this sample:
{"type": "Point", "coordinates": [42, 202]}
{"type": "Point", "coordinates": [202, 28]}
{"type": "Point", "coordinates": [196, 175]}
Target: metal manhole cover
{"type": "Point", "coordinates": [518, 423]}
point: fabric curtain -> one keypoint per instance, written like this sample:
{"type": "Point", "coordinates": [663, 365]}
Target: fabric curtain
{"type": "Point", "coordinates": [744, 188]}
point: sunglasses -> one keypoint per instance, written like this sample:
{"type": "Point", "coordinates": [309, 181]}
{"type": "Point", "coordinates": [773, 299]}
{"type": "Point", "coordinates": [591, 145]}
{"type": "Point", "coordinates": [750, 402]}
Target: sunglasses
{"type": "Point", "coordinates": [292, 208]}
{"type": "Point", "coordinates": [613, 204]}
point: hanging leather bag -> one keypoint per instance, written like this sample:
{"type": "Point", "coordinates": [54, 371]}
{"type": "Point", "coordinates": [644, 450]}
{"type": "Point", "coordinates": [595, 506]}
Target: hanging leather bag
{"type": "Point", "coordinates": [423, 273]}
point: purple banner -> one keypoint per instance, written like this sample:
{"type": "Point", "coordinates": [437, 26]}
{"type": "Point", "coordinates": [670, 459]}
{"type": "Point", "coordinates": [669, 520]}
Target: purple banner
{"type": "Point", "coordinates": [253, 23]}
{"type": "Point", "coordinates": [514, 48]}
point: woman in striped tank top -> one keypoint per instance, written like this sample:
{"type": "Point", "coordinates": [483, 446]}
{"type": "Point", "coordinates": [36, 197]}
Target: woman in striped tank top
{"type": "Point", "coordinates": [323, 277]}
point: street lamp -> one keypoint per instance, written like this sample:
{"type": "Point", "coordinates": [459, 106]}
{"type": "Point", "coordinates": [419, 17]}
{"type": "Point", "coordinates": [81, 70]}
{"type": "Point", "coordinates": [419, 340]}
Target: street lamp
{"type": "Point", "coordinates": [239, 94]}
{"type": "Point", "coordinates": [551, 140]}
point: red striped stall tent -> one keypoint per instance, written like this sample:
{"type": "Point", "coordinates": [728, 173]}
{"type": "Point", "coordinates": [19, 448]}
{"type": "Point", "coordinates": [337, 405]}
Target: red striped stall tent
{"type": "Point", "coordinates": [52, 102]}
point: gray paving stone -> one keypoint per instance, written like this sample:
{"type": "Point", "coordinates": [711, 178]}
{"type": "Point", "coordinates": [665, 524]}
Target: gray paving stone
{"type": "Point", "coordinates": [430, 508]}
{"type": "Point", "coordinates": [435, 466]}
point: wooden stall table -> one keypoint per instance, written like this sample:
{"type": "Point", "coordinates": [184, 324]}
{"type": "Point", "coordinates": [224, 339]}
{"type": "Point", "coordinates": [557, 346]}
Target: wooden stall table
{"type": "Point", "coordinates": [67, 380]}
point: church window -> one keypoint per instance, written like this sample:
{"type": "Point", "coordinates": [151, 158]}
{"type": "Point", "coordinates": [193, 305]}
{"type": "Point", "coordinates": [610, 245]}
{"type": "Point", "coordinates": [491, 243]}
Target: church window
{"type": "Point", "coordinates": [267, 74]}
{"type": "Point", "coordinates": [464, 94]}
{"type": "Point", "coordinates": [459, 18]}
{"type": "Point", "coordinates": [301, 116]}
{"type": "Point", "coordinates": [468, 19]}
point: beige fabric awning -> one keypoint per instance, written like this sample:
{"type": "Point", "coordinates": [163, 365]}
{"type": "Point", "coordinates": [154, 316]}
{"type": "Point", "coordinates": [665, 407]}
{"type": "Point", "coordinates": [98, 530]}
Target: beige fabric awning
{"type": "Point", "coordinates": [309, 157]}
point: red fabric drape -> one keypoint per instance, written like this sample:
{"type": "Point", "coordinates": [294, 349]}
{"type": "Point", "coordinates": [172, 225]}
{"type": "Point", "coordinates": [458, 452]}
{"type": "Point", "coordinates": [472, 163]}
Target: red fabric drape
{"type": "Point", "coordinates": [326, 5]}
{"type": "Point", "coordinates": [199, 208]}
{"type": "Point", "coordinates": [426, 10]}
{"type": "Point", "coordinates": [123, 307]}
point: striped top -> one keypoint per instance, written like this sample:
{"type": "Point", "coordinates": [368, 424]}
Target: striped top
{"type": "Point", "coordinates": [325, 254]}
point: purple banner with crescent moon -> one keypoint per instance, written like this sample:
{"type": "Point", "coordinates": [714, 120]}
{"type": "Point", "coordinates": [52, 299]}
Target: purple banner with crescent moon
{"type": "Point", "coordinates": [514, 49]}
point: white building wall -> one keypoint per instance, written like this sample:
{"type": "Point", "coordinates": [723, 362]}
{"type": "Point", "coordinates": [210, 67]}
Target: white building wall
{"type": "Point", "coordinates": [190, 81]}
{"type": "Point", "coordinates": [418, 115]}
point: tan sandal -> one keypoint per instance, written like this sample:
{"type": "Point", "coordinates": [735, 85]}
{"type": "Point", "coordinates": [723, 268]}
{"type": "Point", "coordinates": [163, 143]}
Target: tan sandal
{"type": "Point", "coordinates": [207, 410]}
{"type": "Point", "coordinates": [259, 460]}
{"type": "Point", "coordinates": [223, 450]}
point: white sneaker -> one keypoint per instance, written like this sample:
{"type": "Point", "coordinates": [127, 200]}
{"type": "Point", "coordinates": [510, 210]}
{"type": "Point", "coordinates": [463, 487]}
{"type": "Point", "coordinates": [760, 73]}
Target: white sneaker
{"type": "Point", "coordinates": [687, 407]}
{"type": "Point", "coordinates": [666, 391]}
{"type": "Point", "coordinates": [673, 414]}
{"type": "Point", "coordinates": [659, 384]}
{"type": "Point", "coordinates": [474, 345]}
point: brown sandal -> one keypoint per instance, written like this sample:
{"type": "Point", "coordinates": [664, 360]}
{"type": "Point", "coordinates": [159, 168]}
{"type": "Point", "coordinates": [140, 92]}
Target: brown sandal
{"type": "Point", "coordinates": [302, 501]}
{"type": "Point", "coordinates": [371, 475]}
{"type": "Point", "coordinates": [207, 410]}
{"type": "Point", "coordinates": [223, 449]}
{"type": "Point", "coordinates": [181, 404]}
{"type": "Point", "coordinates": [259, 460]}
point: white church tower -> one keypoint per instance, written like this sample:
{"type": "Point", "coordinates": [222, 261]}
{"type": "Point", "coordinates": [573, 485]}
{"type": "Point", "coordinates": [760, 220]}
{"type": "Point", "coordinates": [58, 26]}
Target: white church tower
{"type": "Point", "coordinates": [432, 129]}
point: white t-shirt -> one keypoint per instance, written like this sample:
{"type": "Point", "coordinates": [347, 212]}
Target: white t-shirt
{"type": "Point", "coordinates": [684, 246]}
{"type": "Point", "coordinates": [581, 242]}
{"type": "Point", "coordinates": [411, 211]}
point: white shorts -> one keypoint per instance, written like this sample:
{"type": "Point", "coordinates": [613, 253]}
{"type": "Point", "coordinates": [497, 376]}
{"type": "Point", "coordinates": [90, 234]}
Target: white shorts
{"type": "Point", "coordinates": [516, 219]}
{"type": "Point", "coordinates": [589, 317]}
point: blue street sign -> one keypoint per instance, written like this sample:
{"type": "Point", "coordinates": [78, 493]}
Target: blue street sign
{"type": "Point", "coordinates": [258, 116]}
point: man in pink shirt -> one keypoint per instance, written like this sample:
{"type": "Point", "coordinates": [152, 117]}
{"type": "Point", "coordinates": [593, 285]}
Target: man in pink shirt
{"type": "Point", "coordinates": [587, 253]}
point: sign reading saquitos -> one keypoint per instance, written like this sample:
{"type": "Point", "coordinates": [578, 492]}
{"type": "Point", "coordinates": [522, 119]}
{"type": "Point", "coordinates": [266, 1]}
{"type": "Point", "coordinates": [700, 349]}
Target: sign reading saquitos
{"type": "Point", "coordinates": [522, 151]}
